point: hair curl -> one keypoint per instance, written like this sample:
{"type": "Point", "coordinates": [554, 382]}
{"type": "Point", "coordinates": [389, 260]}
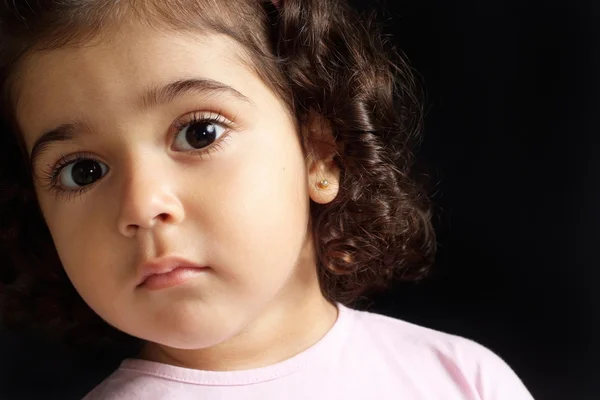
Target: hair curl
{"type": "Point", "coordinates": [317, 55]}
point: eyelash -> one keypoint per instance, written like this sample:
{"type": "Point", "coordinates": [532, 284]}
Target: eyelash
{"type": "Point", "coordinates": [52, 174]}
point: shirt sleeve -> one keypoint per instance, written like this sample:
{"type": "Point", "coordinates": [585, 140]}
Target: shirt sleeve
{"type": "Point", "coordinates": [488, 374]}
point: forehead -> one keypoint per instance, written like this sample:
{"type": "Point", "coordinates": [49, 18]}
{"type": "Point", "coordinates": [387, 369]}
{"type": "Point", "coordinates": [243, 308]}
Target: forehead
{"type": "Point", "coordinates": [105, 77]}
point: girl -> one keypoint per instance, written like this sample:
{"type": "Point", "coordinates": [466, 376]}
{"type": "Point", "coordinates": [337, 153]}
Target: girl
{"type": "Point", "coordinates": [221, 180]}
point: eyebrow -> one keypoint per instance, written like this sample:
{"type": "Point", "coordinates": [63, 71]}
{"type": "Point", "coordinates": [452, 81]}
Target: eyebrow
{"type": "Point", "coordinates": [154, 97]}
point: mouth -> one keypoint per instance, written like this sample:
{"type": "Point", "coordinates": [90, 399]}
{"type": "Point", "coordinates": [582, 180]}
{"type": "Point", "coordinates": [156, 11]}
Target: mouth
{"type": "Point", "coordinates": [168, 272]}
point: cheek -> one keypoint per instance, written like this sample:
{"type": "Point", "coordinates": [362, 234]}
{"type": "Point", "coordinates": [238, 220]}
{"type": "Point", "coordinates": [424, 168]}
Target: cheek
{"type": "Point", "coordinates": [99, 268]}
{"type": "Point", "coordinates": [71, 237]}
{"type": "Point", "coordinates": [80, 237]}
{"type": "Point", "coordinates": [261, 211]}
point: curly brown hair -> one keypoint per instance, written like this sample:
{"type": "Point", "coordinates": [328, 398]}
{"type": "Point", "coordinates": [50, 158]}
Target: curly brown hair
{"type": "Point", "coordinates": [316, 55]}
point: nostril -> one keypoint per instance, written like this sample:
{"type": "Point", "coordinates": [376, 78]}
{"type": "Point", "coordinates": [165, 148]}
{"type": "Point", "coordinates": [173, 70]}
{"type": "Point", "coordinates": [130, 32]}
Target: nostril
{"type": "Point", "coordinates": [163, 217]}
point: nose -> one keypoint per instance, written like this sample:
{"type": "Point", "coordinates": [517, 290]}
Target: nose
{"type": "Point", "coordinates": [148, 199]}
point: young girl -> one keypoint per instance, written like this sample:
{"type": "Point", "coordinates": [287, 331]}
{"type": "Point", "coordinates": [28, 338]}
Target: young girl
{"type": "Point", "coordinates": [221, 180]}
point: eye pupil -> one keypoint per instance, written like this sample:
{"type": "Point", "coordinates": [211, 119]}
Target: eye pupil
{"type": "Point", "coordinates": [201, 134]}
{"type": "Point", "coordinates": [86, 172]}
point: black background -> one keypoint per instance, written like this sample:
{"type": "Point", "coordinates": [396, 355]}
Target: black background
{"type": "Point", "coordinates": [511, 136]}
{"type": "Point", "coordinates": [511, 133]}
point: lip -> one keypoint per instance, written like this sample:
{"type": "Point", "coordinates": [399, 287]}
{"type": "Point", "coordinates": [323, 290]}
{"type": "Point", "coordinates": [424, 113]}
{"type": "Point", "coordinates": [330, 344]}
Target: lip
{"type": "Point", "coordinates": [166, 272]}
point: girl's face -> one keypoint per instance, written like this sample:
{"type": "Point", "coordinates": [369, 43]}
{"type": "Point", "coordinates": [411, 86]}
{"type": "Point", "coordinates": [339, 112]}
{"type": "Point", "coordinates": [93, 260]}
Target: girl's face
{"type": "Point", "coordinates": [152, 145]}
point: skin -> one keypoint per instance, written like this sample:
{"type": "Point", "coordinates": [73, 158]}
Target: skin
{"type": "Point", "coordinates": [240, 208]}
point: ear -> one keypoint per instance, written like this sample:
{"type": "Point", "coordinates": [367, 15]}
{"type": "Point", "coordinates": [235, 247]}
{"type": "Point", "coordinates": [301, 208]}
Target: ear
{"type": "Point", "coordinates": [321, 147]}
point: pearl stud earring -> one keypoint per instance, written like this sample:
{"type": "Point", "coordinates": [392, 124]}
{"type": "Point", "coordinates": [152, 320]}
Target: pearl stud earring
{"type": "Point", "coordinates": [323, 184]}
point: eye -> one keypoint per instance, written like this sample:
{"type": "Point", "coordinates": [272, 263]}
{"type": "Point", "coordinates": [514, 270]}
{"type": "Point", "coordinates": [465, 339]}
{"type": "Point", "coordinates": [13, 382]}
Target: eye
{"type": "Point", "coordinates": [81, 173]}
{"type": "Point", "coordinates": [198, 135]}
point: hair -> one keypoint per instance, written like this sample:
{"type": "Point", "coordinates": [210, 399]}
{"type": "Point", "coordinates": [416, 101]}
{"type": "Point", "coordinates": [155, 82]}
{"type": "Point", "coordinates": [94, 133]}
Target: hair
{"type": "Point", "coordinates": [316, 55]}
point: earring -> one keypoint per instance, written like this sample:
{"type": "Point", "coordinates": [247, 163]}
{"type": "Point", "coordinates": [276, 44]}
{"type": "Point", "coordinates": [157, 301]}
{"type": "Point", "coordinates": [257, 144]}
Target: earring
{"type": "Point", "coordinates": [324, 184]}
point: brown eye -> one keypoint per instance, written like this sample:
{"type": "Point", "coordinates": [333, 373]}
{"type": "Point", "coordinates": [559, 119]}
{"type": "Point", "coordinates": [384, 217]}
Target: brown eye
{"type": "Point", "coordinates": [198, 135]}
{"type": "Point", "coordinates": [81, 173]}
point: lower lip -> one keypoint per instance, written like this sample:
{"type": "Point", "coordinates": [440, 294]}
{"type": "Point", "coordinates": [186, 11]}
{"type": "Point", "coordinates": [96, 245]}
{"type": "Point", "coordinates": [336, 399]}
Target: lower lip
{"type": "Point", "coordinates": [177, 277]}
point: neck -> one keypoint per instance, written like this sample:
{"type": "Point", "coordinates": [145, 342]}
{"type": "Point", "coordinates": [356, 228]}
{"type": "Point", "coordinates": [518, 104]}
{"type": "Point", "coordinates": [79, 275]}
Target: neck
{"type": "Point", "coordinates": [277, 336]}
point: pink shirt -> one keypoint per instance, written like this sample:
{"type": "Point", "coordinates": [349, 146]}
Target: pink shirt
{"type": "Point", "coordinates": [364, 356]}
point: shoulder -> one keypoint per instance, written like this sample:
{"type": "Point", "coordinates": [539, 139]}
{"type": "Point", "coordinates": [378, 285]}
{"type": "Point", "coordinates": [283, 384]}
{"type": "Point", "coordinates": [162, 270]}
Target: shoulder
{"type": "Point", "coordinates": [393, 332]}
{"type": "Point", "coordinates": [467, 363]}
